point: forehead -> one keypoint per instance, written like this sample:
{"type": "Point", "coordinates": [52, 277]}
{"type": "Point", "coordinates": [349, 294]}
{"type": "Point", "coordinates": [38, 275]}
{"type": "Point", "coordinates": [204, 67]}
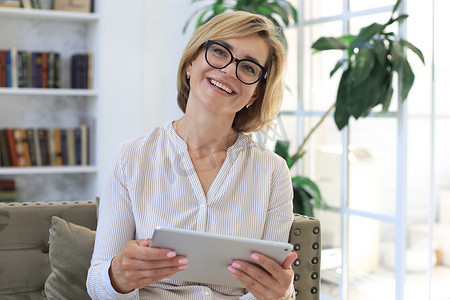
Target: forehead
{"type": "Point", "coordinates": [251, 47]}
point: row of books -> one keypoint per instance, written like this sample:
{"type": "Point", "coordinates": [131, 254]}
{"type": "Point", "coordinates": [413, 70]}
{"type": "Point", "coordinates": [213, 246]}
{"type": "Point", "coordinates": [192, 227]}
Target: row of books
{"type": "Point", "coordinates": [8, 191]}
{"type": "Point", "coordinates": [27, 69]}
{"type": "Point", "coordinates": [24, 147]}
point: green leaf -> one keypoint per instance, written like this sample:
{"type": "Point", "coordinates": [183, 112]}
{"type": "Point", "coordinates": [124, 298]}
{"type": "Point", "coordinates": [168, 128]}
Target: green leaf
{"type": "Point", "coordinates": [282, 149]}
{"type": "Point", "coordinates": [396, 6]}
{"type": "Point", "coordinates": [309, 187]}
{"type": "Point", "coordinates": [337, 66]}
{"type": "Point", "coordinates": [406, 79]}
{"type": "Point", "coordinates": [329, 43]}
{"type": "Point", "coordinates": [362, 66]}
{"type": "Point", "coordinates": [413, 48]}
{"type": "Point", "coordinates": [341, 113]}
{"type": "Point", "coordinates": [366, 34]}
{"type": "Point", "coordinates": [398, 57]}
{"type": "Point", "coordinates": [380, 51]}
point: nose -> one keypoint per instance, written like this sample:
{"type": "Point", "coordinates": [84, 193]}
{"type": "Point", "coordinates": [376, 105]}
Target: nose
{"type": "Point", "coordinates": [230, 70]}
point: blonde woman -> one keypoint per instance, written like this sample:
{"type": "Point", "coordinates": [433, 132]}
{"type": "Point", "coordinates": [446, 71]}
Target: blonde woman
{"type": "Point", "coordinates": [202, 173]}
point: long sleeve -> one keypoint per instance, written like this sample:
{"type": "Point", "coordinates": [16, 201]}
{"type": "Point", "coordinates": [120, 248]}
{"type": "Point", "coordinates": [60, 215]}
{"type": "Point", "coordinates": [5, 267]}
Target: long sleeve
{"type": "Point", "coordinates": [115, 228]}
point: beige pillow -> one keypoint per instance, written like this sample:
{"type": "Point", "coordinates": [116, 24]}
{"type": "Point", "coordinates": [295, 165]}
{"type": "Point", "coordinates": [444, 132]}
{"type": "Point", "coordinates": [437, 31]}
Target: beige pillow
{"type": "Point", "coordinates": [71, 248]}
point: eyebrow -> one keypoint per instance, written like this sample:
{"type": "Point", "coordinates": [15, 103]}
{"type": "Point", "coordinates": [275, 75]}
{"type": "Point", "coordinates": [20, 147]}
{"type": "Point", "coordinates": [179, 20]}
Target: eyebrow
{"type": "Point", "coordinates": [231, 48]}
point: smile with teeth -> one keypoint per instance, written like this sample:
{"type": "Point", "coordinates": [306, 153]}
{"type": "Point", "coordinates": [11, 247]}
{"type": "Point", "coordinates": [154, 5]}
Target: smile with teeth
{"type": "Point", "coordinates": [221, 86]}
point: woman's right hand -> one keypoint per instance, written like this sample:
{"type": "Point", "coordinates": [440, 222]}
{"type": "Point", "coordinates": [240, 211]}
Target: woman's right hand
{"type": "Point", "coordinates": [140, 265]}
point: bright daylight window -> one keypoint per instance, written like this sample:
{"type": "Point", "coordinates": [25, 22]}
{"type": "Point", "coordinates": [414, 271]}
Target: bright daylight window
{"type": "Point", "coordinates": [395, 178]}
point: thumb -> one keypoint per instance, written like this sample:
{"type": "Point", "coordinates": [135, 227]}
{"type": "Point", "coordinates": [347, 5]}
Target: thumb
{"type": "Point", "coordinates": [289, 260]}
{"type": "Point", "coordinates": [145, 243]}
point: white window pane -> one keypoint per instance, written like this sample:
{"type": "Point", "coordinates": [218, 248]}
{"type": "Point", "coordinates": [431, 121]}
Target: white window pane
{"type": "Point", "coordinates": [356, 5]}
{"type": "Point", "coordinates": [318, 89]}
{"type": "Point", "coordinates": [314, 9]}
{"type": "Point", "coordinates": [372, 164]}
{"type": "Point", "coordinates": [291, 92]}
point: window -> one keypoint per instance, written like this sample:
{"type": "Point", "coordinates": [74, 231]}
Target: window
{"type": "Point", "coordinates": [387, 179]}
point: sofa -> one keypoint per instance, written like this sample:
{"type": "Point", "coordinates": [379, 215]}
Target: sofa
{"type": "Point", "coordinates": [46, 247]}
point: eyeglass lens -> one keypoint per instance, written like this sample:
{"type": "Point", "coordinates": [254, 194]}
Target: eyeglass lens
{"type": "Point", "coordinates": [246, 70]}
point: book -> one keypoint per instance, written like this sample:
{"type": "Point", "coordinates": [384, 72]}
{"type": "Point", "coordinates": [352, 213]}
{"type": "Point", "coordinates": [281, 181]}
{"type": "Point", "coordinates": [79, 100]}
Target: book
{"type": "Point", "coordinates": [73, 5]}
{"type": "Point", "coordinates": [11, 147]}
{"type": "Point", "coordinates": [43, 146]}
{"type": "Point", "coordinates": [10, 3]}
{"type": "Point", "coordinates": [36, 69]}
{"type": "Point", "coordinates": [22, 150]}
{"type": "Point", "coordinates": [26, 4]}
{"type": "Point", "coordinates": [57, 154]}
{"type": "Point", "coordinates": [44, 69]}
{"type": "Point", "coordinates": [32, 146]}
{"type": "Point", "coordinates": [64, 147]}
{"type": "Point", "coordinates": [84, 144]}
{"type": "Point", "coordinates": [6, 162]}
{"type": "Point", "coordinates": [77, 134]}
{"type": "Point", "coordinates": [7, 184]}
{"type": "Point", "coordinates": [70, 145]}
{"type": "Point", "coordinates": [3, 69]}
{"type": "Point", "coordinates": [57, 70]}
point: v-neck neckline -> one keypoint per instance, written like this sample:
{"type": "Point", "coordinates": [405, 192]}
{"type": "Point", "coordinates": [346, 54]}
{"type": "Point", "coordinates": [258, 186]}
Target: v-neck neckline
{"type": "Point", "coordinates": [188, 165]}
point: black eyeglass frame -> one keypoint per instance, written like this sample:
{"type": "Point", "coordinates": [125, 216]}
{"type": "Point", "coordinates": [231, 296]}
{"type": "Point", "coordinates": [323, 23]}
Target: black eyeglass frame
{"type": "Point", "coordinates": [263, 73]}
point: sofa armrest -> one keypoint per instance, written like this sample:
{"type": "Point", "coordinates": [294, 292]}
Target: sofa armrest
{"type": "Point", "coordinates": [305, 236]}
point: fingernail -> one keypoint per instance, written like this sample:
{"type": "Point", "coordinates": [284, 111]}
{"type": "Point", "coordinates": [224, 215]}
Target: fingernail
{"type": "Point", "coordinates": [183, 261]}
{"type": "Point", "coordinates": [236, 265]}
{"type": "Point", "coordinates": [182, 267]}
{"type": "Point", "coordinates": [231, 269]}
{"type": "Point", "coordinates": [171, 254]}
{"type": "Point", "coordinates": [254, 256]}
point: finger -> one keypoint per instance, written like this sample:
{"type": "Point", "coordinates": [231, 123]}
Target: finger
{"type": "Point", "coordinates": [254, 273]}
{"type": "Point", "coordinates": [250, 283]}
{"type": "Point", "coordinates": [145, 243]}
{"type": "Point", "coordinates": [287, 263]}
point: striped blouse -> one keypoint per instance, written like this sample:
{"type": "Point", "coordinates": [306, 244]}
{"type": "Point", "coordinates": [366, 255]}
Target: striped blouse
{"type": "Point", "coordinates": [150, 181]}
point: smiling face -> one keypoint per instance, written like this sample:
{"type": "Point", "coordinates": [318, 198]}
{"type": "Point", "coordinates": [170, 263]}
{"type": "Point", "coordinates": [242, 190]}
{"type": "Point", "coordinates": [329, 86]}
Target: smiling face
{"type": "Point", "coordinates": [219, 90]}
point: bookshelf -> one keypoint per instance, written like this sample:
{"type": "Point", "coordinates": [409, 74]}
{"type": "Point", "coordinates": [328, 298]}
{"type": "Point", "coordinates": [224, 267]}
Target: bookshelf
{"type": "Point", "coordinates": [67, 33]}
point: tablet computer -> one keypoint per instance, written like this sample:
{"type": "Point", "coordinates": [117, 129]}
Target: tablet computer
{"type": "Point", "coordinates": [210, 254]}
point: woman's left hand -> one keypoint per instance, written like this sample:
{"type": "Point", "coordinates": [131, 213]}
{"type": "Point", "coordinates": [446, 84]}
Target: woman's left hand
{"type": "Point", "coordinates": [273, 281]}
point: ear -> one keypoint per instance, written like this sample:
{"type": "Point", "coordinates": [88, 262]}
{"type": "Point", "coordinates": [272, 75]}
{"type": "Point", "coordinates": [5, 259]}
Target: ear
{"type": "Point", "coordinates": [255, 96]}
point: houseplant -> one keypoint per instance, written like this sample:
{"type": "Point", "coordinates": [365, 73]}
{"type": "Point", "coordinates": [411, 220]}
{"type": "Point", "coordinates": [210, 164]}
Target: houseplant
{"type": "Point", "coordinates": [280, 12]}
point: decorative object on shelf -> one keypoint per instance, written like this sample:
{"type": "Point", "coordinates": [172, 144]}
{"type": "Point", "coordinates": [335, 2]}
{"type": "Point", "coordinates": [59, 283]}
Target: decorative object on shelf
{"type": "Point", "coordinates": [280, 12]}
{"type": "Point", "coordinates": [73, 5]}
{"type": "Point", "coordinates": [371, 59]}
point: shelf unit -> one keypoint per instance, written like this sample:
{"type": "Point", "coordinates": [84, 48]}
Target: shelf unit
{"type": "Point", "coordinates": [67, 33]}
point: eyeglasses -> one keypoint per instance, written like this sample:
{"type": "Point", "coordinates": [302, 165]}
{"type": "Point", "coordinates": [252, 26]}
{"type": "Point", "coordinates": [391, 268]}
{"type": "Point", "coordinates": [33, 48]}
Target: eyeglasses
{"type": "Point", "coordinates": [219, 56]}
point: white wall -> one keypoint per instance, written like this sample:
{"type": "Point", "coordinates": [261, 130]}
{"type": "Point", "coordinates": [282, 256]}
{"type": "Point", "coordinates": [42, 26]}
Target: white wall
{"type": "Point", "coordinates": [140, 45]}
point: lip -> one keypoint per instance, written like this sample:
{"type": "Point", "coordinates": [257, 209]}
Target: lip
{"type": "Point", "coordinates": [224, 83]}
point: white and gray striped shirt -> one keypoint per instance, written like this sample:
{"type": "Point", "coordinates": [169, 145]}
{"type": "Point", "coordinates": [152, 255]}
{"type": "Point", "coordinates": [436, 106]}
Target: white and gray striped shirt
{"type": "Point", "coordinates": [150, 181]}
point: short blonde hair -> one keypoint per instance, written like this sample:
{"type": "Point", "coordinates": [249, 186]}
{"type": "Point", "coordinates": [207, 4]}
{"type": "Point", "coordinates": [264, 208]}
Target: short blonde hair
{"type": "Point", "coordinates": [239, 24]}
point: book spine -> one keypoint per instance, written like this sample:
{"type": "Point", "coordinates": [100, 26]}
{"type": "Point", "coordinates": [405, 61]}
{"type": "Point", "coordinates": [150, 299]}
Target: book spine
{"type": "Point", "coordinates": [51, 70]}
{"type": "Point", "coordinates": [57, 68]}
{"type": "Point", "coordinates": [11, 147]}
{"type": "Point", "coordinates": [43, 145]}
{"type": "Point", "coordinates": [21, 145]}
{"type": "Point", "coordinates": [44, 70]}
{"type": "Point", "coordinates": [77, 134]}
{"type": "Point", "coordinates": [8, 69]}
{"type": "Point", "coordinates": [6, 162]}
{"type": "Point", "coordinates": [37, 147]}
{"type": "Point", "coordinates": [57, 147]}
{"type": "Point", "coordinates": [31, 146]}
{"type": "Point", "coordinates": [3, 67]}
{"type": "Point", "coordinates": [84, 145]}
{"type": "Point", "coordinates": [70, 141]}
{"type": "Point", "coordinates": [64, 147]}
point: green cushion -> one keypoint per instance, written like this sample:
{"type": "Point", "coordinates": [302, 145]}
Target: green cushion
{"type": "Point", "coordinates": [71, 248]}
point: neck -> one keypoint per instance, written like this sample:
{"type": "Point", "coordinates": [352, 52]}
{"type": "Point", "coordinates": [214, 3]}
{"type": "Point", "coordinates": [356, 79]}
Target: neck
{"type": "Point", "coordinates": [205, 135]}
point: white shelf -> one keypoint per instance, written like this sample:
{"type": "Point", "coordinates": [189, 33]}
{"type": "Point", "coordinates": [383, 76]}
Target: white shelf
{"type": "Point", "coordinates": [47, 170]}
{"type": "Point", "coordinates": [48, 92]}
{"type": "Point", "coordinates": [45, 14]}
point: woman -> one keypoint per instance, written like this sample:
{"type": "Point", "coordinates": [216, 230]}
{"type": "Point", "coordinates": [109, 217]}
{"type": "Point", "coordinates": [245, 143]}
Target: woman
{"type": "Point", "coordinates": [202, 173]}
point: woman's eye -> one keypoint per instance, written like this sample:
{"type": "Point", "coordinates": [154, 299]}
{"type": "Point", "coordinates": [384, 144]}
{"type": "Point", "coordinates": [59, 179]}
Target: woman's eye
{"type": "Point", "coordinates": [219, 52]}
{"type": "Point", "coordinates": [248, 69]}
